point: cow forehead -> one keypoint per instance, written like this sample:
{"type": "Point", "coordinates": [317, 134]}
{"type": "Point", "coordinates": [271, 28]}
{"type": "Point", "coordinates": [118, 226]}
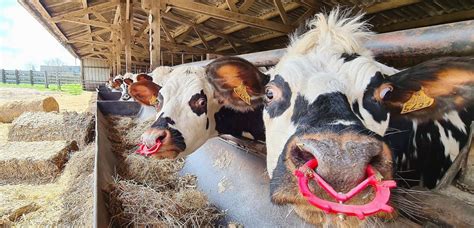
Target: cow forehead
{"type": "Point", "coordinates": [184, 82]}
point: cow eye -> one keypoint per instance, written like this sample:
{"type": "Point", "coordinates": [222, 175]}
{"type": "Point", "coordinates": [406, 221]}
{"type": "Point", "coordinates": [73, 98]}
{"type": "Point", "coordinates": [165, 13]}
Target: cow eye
{"type": "Point", "coordinates": [269, 94]}
{"type": "Point", "coordinates": [201, 102]}
{"type": "Point", "coordinates": [385, 92]}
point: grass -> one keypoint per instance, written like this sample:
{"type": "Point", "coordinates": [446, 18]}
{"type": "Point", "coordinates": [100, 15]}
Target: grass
{"type": "Point", "coordinates": [74, 89]}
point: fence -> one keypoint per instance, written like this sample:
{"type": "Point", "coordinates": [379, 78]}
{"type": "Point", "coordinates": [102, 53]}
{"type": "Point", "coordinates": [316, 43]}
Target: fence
{"type": "Point", "coordinates": [39, 77]}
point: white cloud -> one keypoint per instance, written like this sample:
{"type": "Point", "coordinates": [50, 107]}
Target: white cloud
{"type": "Point", "coordinates": [26, 41]}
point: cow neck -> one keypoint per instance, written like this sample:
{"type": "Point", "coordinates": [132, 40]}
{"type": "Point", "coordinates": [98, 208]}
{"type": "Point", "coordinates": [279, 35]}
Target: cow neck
{"type": "Point", "coordinates": [229, 121]}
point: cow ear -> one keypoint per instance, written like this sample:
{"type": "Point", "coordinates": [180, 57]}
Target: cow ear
{"type": "Point", "coordinates": [128, 81]}
{"type": "Point", "coordinates": [238, 83]}
{"type": "Point", "coordinates": [429, 90]}
{"type": "Point", "coordinates": [142, 77]}
{"type": "Point", "coordinates": [145, 92]}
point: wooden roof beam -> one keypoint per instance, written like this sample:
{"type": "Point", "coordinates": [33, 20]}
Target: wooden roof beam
{"type": "Point", "coordinates": [82, 12]}
{"type": "Point", "coordinates": [246, 6]}
{"type": "Point", "coordinates": [204, 42]}
{"type": "Point", "coordinates": [99, 16]}
{"type": "Point", "coordinates": [232, 29]}
{"type": "Point", "coordinates": [231, 5]}
{"type": "Point", "coordinates": [92, 22]}
{"type": "Point", "coordinates": [388, 5]}
{"type": "Point", "coordinates": [281, 11]}
{"type": "Point", "coordinates": [180, 20]}
{"type": "Point", "coordinates": [98, 43]}
{"type": "Point", "coordinates": [228, 16]}
{"type": "Point", "coordinates": [167, 33]}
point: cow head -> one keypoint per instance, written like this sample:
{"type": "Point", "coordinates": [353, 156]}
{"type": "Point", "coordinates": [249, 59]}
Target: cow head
{"type": "Point", "coordinates": [328, 99]}
{"type": "Point", "coordinates": [192, 96]}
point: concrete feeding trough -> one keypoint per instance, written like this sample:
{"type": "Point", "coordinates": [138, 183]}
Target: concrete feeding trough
{"type": "Point", "coordinates": [233, 179]}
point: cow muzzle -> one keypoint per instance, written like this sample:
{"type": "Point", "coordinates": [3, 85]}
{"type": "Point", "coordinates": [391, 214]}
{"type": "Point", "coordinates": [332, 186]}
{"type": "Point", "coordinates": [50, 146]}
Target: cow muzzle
{"type": "Point", "coordinates": [159, 144]}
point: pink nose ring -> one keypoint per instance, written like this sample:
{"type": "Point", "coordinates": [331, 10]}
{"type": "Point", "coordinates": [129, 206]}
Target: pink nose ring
{"type": "Point", "coordinates": [144, 150]}
{"type": "Point", "coordinates": [379, 203]}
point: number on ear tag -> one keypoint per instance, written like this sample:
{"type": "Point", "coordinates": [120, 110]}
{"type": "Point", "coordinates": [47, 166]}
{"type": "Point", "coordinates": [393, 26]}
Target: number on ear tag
{"type": "Point", "coordinates": [153, 100]}
{"type": "Point", "coordinates": [418, 100]}
{"type": "Point", "coordinates": [241, 91]}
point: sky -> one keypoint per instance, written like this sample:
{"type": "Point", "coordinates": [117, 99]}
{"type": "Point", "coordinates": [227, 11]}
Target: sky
{"type": "Point", "coordinates": [24, 41]}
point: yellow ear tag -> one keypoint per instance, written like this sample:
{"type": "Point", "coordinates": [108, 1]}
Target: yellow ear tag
{"type": "Point", "coordinates": [241, 91]}
{"type": "Point", "coordinates": [418, 100]}
{"type": "Point", "coordinates": [153, 100]}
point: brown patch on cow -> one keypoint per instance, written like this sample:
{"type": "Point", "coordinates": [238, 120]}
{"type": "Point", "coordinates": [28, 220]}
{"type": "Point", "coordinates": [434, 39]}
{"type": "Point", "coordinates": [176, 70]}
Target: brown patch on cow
{"type": "Point", "coordinates": [128, 81]}
{"type": "Point", "coordinates": [117, 83]}
{"type": "Point", "coordinates": [144, 91]}
{"type": "Point", "coordinates": [142, 77]}
{"type": "Point", "coordinates": [447, 82]}
{"type": "Point", "coordinates": [228, 73]}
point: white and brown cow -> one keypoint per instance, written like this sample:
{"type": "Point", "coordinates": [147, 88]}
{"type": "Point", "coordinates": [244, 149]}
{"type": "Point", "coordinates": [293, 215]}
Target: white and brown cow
{"type": "Point", "coordinates": [328, 99]}
{"type": "Point", "coordinates": [191, 110]}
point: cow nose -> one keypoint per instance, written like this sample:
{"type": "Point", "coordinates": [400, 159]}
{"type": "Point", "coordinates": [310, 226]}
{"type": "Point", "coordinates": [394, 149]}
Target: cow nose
{"type": "Point", "coordinates": [152, 135]}
{"type": "Point", "coordinates": [342, 160]}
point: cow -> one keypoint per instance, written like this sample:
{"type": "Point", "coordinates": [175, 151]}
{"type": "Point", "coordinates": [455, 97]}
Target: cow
{"type": "Point", "coordinates": [191, 110]}
{"type": "Point", "coordinates": [329, 99]}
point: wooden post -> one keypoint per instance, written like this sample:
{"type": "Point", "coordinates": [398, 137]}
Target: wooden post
{"type": "Point", "coordinates": [202, 57]}
{"type": "Point", "coordinates": [126, 25]}
{"type": "Point", "coordinates": [161, 58]}
{"type": "Point", "coordinates": [83, 81]}
{"type": "Point", "coordinates": [155, 31]}
{"type": "Point", "coordinates": [172, 63]}
{"type": "Point", "coordinates": [182, 58]}
{"type": "Point", "coordinates": [46, 79]}
{"type": "Point", "coordinates": [31, 78]}
{"type": "Point", "coordinates": [4, 77]}
{"type": "Point", "coordinates": [17, 77]}
{"type": "Point", "coordinates": [192, 58]}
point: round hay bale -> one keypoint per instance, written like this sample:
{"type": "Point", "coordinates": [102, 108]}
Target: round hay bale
{"type": "Point", "coordinates": [51, 126]}
{"type": "Point", "coordinates": [9, 110]}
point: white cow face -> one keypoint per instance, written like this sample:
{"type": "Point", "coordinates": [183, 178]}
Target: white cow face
{"type": "Point", "coordinates": [191, 98]}
{"type": "Point", "coordinates": [185, 120]}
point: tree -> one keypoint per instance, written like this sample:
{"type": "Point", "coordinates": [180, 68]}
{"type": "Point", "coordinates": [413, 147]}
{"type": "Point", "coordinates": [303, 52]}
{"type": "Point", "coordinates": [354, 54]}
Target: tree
{"type": "Point", "coordinates": [54, 62]}
{"type": "Point", "coordinates": [30, 66]}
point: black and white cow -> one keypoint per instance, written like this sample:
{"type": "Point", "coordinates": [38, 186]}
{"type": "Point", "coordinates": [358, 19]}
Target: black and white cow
{"type": "Point", "coordinates": [191, 110]}
{"type": "Point", "coordinates": [328, 99]}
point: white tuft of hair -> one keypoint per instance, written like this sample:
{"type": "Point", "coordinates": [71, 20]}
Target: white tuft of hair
{"type": "Point", "coordinates": [336, 32]}
{"type": "Point", "coordinates": [161, 74]}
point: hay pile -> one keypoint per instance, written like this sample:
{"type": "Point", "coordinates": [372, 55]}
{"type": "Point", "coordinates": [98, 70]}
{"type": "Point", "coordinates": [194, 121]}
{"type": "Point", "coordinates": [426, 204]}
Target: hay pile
{"type": "Point", "coordinates": [150, 191]}
{"type": "Point", "coordinates": [33, 162]}
{"type": "Point", "coordinates": [41, 126]}
{"type": "Point", "coordinates": [66, 202]}
{"type": "Point", "coordinates": [11, 109]}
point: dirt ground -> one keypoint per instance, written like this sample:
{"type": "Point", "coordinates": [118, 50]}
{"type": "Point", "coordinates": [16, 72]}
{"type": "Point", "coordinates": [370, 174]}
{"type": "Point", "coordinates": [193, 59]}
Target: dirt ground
{"type": "Point", "coordinates": [67, 102]}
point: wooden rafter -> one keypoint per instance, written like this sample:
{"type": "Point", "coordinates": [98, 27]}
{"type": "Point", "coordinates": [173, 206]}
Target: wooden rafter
{"type": "Point", "coordinates": [167, 32]}
{"type": "Point", "coordinates": [239, 27]}
{"type": "Point", "coordinates": [391, 4]}
{"type": "Point", "coordinates": [231, 5]}
{"type": "Point", "coordinates": [228, 15]}
{"type": "Point", "coordinates": [82, 12]}
{"type": "Point", "coordinates": [281, 11]}
{"type": "Point", "coordinates": [204, 42]}
{"type": "Point", "coordinates": [92, 22]}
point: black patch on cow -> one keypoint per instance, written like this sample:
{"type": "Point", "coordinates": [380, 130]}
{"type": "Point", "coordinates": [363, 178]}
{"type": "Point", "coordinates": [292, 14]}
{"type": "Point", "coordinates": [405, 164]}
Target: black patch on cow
{"type": "Point", "coordinates": [194, 103]}
{"type": "Point", "coordinates": [376, 110]}
{"type": "Point", "coordinates": [423, 150]}
{"type": "Point", "coordinates": [327, 108]}
{"type": "Point", "coordinates": [229, 121]}
{"type": "Point", "coordinates": [164, 123]}
{"type": "Point", "coordinates": [349, 57]}
{"type": "Point", "coordinates": [207, 123]}
{"type": "Point", "coordinates": [278, 107]}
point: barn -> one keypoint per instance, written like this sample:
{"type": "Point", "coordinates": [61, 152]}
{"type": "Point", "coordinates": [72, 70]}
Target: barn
{"type": "Point", "coordinates": [225, 182]}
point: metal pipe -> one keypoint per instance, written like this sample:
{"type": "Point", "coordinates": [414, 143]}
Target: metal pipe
{"type": "Point", "coordinates": [398, 48]}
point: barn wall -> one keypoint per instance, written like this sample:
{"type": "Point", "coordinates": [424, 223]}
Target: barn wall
{"type": "Point", "coordinates": [94, 72]}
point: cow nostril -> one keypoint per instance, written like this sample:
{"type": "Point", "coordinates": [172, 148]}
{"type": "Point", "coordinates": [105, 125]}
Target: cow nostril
{"type": "Point", "coordinates": [299, 155]}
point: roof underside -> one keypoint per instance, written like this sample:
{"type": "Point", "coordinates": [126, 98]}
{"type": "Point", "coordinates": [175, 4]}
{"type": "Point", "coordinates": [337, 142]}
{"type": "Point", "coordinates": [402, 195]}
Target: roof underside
{"type": "Point", "coordinates": [87, 27]}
